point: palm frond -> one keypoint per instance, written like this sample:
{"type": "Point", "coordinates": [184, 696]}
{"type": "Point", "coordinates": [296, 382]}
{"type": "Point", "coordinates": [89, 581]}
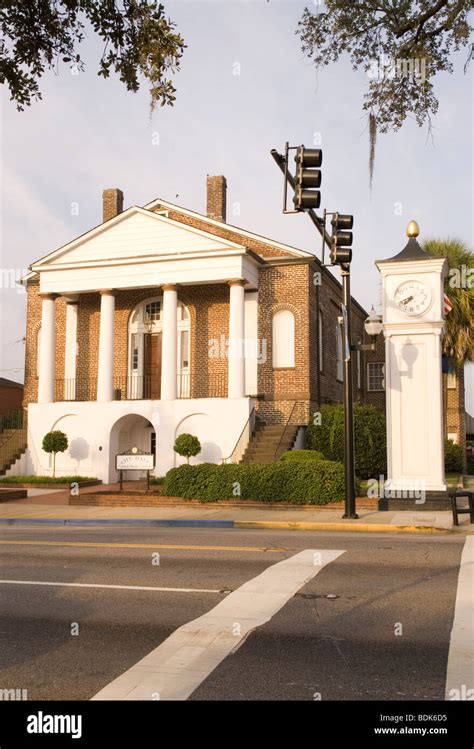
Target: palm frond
{"type": "Point", "coordinates": [458, 339]}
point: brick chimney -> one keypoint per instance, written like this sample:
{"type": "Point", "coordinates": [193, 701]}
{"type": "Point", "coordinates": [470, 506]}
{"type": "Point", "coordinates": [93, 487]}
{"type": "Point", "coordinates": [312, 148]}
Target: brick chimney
{"type": "Point", "coordinates": [217, 198]}
{"type": "Point", "coordinates": [112, 202]}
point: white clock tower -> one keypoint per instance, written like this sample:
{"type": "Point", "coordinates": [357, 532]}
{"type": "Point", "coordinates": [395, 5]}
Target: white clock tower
{"type": "Point", "coordinates": [413, 322]}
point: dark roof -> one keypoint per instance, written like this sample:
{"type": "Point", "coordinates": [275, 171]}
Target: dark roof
{"type": "Point", "coordinates": [411, 251]}
{"type": "Point", "coordinates": [10, 383]}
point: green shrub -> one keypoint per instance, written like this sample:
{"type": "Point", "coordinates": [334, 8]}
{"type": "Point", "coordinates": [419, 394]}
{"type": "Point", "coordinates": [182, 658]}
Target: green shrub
{"type": "Point", "coordinates": [470, 466]}
{"type": "Point", "coordinates": [300, 482]}
{"type": "Point", "coordinates": [45, 479]}
{"type": "Point", "coordinates": [187, 445]}
{"type": "Point", "coordinates": [370, 441]}
{"type": "Point", "coordinates": [302, 455]}
{"type": "Point", "coordinates": [453, 457]}
{"type": "Point", "coordinates": [55, 442]}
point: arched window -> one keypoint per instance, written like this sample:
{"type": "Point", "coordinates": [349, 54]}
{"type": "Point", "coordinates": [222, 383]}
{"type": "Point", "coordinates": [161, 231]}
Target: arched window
{"type": "Point", "coordinates": [339, 366]}
{"type": "Point", "coordinates": [283, 339]}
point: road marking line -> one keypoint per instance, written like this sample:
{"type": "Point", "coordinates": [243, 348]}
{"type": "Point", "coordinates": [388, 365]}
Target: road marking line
{"type": "Point", "coordinates": [174, 669]}
{"type": "Point", "coordinates": [119, 587]}
{"type": "Point", "coordinates": [178, 547]}
{"type": "Point", "coordinates": [460, 670]}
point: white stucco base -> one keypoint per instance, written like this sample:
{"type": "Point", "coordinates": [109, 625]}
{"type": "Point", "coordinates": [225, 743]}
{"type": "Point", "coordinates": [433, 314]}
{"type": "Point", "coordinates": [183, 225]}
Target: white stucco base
{"type": "Point", "coordinates": [97, 431]}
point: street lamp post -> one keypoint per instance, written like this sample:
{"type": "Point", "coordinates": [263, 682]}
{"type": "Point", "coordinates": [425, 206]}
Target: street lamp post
{"type": "Point", "coordinates": [373, 327]}
{"type": "Point", "coordinates": [349, 462]}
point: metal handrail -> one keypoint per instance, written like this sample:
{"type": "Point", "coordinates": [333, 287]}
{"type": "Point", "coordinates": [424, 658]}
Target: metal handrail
{"type": "Point", "coordinates": [295, 404]}
{"type": "Point", "coordinates": [251, 416]}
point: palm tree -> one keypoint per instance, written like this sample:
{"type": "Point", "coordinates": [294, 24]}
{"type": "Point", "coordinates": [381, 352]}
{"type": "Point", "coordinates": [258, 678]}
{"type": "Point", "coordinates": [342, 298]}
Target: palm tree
{"type": "Point", "coordinates": [458, 338]}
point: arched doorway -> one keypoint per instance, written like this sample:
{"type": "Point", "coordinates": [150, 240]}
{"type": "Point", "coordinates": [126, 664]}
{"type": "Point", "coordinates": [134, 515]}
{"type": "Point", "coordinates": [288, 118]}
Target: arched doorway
{"type": "Point", "coordinates": [130, 431]}
{"type": "Point", "coordinates": [145, 342]}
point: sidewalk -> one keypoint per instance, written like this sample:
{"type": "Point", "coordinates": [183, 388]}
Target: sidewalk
{"type": "Point", "coordinates": [23, 512]}
{"type": "Point", "coordinates": [48, 506]}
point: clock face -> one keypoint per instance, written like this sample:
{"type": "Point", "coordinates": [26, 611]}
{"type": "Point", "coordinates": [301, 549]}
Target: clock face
{"type": "Point", "coordinates": [413, 298]}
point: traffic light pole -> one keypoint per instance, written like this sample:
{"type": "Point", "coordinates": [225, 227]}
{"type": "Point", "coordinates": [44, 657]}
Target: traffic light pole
{"type": "Point", "coordinates": [349, 465]}
{"type": "Point", "coordinates": [349, 462]}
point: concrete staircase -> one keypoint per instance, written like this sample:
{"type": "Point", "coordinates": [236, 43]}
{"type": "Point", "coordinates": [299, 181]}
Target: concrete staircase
{"type": "Point", "coordinates": [13, 444]}
{"type": "Point", "coordinates": [269, 442]}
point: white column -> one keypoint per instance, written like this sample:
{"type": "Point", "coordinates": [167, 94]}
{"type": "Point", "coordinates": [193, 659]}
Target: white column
{"type": "Point", "coordinates": [70, 355]}
{"type": "Point", "coordinates": [169, 356]}
{"type": "Point", "coordinates": [105, 378]}
{"type": "Point", "coordinates": [236, 362]}
{"type": "Point", "coordinates": [47, 351]}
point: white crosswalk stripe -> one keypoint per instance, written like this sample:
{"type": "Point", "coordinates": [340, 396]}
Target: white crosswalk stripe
{"type": "Point", "coordinates": [460, 672]}
{"type": "Point", "coordinates": [182, 662]}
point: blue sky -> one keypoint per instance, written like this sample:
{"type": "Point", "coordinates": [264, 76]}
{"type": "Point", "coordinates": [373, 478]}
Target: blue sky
{"type": "Point", "coordinates": [88, 134]}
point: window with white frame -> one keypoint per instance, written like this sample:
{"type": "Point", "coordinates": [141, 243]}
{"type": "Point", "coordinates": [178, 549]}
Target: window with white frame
{"type": "Point", "coordinates": [184, 349]}
{"type": "Point", "coordinates": [135, 353]}
{"type": "Point", "coordinates": [283, 339]}
{"type": "Point", "coordinates": [153, 311]}
{"type": "Point", "coordinates": [375, 376]}
{"type": "Point", "coordinates": [359, 372]}
{"type": "Point", "coordinates": [339, 365]}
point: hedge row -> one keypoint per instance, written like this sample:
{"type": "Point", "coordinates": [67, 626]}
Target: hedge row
{"type": "Point", "coordinates": [370, 442]}
{"type": "Point", "coordinates": [302, 455]}
{"type": "Point", "coordinates": [299, 482]}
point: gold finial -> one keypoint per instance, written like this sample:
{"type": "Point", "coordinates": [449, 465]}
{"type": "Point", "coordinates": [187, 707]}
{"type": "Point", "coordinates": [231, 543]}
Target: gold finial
{"type": "Point", "coordinates": [413, 229]}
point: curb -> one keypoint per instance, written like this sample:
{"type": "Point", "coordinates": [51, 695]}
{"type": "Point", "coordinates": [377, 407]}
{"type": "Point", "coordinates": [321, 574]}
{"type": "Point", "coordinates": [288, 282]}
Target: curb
{"type": "Point", "coordinates": [359, 528]}
{"type": "Point", "coordinates": [248, 524]}
{"type": "Point", "coordinates": [118, 521]}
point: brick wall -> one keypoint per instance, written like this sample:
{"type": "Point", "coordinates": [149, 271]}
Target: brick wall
{"type": "Point", "coordinates": [454, 409]}
{"type": "Point", "coordinates": [11, 398]}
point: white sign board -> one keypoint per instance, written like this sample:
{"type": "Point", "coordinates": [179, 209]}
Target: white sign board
{"type": "Point", "coordinates": [134, 462]}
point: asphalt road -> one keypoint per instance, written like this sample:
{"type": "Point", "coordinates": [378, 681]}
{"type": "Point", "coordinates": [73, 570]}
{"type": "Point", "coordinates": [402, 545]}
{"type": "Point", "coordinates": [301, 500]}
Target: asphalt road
{"type": "Point", "coordinates": [383, 633]}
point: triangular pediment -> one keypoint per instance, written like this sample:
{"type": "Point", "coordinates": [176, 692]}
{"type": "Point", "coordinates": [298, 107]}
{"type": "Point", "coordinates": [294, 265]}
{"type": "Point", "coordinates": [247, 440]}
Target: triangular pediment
{"type": "Point", "coordinates": [136, 233]}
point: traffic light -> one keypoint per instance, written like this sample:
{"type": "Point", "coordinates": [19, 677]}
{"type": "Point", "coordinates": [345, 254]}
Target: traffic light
{"type": "Point", "coordinates": [307, 176]}
{"type": "Point", "coordinates": [341, 239]}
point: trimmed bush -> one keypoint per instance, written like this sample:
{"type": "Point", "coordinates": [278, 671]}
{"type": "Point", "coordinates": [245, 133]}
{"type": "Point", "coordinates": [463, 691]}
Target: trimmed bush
{"type": "Point", "coordinates": [453, 457]}
{"type": "Point", "coordinates": [187, 445]}
{"type": "Point", "coordinates": [302, 455]}
{"type": "Point", "coordinates": [55, 442]}
{"type": "Point", "coordinates": [300, 482]}
{"type": "Point", "coordinates": [370, 441]}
